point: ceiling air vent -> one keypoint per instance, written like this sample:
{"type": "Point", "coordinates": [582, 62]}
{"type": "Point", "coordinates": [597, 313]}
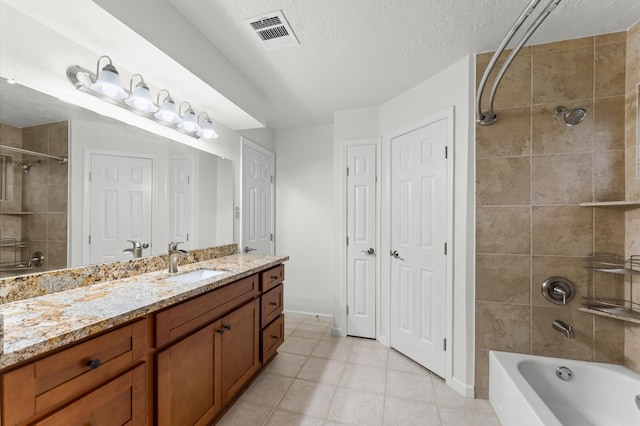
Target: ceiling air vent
{"type": "Point", "coordinates": [273, 30]}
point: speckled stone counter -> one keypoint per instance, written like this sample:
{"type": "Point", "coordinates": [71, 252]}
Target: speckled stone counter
{"type": "Point", "coordinates": [40, 324]}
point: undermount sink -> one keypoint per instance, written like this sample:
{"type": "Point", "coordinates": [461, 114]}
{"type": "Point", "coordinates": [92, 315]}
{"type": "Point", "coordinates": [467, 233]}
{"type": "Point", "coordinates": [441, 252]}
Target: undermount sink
{"type": "Point", "coordinates": [197, 275]}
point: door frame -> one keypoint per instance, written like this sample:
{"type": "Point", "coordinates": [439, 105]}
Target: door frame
{"type": "Point", "coordinates": [245, 142]}
{"type": "Point", "coordinates": [385, 230]}
{"type": "Point", "coordinates": [345, 144]}
{"type": "Point", "coordinates": [86, 195]}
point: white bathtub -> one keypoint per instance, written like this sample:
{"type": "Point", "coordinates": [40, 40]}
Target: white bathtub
{"type": "Point", "coordinates": [525, 390]}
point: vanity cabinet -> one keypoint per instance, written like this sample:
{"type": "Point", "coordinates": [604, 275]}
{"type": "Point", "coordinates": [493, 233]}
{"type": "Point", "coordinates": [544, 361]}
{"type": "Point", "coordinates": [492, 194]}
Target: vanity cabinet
{"type": "Point", "coordinates": [271, 312]}
{"type": "Point", "coordinates": [94, 376]}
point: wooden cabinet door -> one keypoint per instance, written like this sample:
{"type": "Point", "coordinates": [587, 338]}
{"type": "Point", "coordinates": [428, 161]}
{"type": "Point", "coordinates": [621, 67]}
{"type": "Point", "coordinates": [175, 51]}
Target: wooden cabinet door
{"type": "Point", "coordinates": [188, 379]}
{"type": "Point", "coordinates": [121, 401]}
{"type": "Point", "coordinates": [240, 348]}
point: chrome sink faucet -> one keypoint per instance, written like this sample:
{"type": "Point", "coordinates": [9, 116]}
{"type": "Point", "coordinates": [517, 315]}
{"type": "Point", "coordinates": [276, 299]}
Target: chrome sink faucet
{"type": "Point", "coordinates": [173, 256]}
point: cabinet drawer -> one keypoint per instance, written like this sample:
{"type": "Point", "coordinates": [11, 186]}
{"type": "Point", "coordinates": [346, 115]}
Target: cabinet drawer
{"type": "Point", "coordinates": [271, 305]}
{"type": "Point", "coordinates": [188, 316]}
{"type": "Point", "coordinates": [55, 380]}
{"type": "Point", "coordinates": [119, 402]}
{"type": "Point", "coordinates": [271, 278]}
{"type": "Point", "coordinates": [272, 338]}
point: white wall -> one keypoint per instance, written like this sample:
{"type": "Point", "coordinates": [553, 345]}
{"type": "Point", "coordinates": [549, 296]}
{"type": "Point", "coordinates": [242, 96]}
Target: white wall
{"type": "Point", "coordinates": [304, 217]}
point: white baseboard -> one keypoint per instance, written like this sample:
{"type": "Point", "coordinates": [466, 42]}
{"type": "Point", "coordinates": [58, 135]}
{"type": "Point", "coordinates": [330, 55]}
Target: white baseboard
{"type": "Point", "coordinates": [462, 388]}
{"type": "Point", "coordinates": [307, 315]}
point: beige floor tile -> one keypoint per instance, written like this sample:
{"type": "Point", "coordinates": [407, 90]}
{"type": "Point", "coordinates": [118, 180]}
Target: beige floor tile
{"type": "Point", "coordinates": [287, 418]}
{"type": "Point", "coordinates": [298, 345]}
{"type": "Point", "coordinates": [308, 398]}
{"type": "Point", "coordinates": [399, 362]}
{"type": "Point", "coordinates": [311, 331]}
{"type": "Point", "coordinates": [417, 387]}
{"type": "Point", "coordinates": [364, 378]}
{"type": "Point", "coordinates": [245, 414]}
{"type": "Point", "coordinates": [357, 408]}
{"type": "Point", "coordinates": [341, 339]}
{"type": "Point", "coordinates": [367, 343]}
{"type": "Point", "coordinates": [286, 364]}
{"type": "Point", "coordinates": [368, 356]}
{"type": "Point", "coordinates": [325, 321]}
{"type": "Point", "coordinates": [332, 350]}
{"type": "Point", "coordinates": [321, 370]}
{"type": "Point", "coordinates": [448, 398]}
{"type": "Point", "coordinates": [404, 412]}
{"type": "Point", "coordinates": [267, 389]}
{"type": "Point", "coordinates": [455, 417]}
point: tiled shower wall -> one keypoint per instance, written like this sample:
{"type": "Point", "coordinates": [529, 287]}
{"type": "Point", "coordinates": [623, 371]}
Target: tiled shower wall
{"type": "Point", "coordinates": [632, 220]}
{"type": "Point", "coordinates": [532, 174]}
{"type": "Point", "coordinates": [42, 192]}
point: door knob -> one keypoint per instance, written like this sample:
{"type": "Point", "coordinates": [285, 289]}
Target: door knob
{"type": "Point", "coordinates": [395, 254]}
{"type": "Point", "coordinates": [370, 251]}
{"type": "Point", "coordinates": [247, 249]}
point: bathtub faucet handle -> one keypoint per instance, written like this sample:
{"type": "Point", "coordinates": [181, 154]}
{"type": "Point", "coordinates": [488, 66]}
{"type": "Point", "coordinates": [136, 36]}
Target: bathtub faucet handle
{"type": "Point", "coordinates": [563, 328]}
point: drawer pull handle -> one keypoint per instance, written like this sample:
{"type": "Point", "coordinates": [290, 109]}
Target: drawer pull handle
{"type": "Point", "coordinates": [275, 337]}
{"type": "Point", "coordinates": [220, 331]}
{"type": "Point", "coordinates": [93, 363]}
{"type": "Point", "coordinates": [274, 277]}
{"type": "Point", "coordinates": [227, 327]}
{"type": "Point", "coordinates": [273, 303]}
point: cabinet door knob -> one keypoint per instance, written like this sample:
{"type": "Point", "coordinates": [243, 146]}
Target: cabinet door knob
{"type": "Point", "coordinates": [93, 363]}
{"type": "Point", "coordinates": [220, 331]}
{"type": "Point", "coordinates": [273, 303]}
{"type": "Point", "coordinates": [227, 327]}
{"type": "Point", "coordinates": [275, 337]}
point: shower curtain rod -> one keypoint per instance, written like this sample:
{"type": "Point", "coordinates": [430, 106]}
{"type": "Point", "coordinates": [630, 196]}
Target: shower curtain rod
{"type": "Point", "coordinates": [488, 118]}
{"type": "Point", "coordinates": [61, 160]}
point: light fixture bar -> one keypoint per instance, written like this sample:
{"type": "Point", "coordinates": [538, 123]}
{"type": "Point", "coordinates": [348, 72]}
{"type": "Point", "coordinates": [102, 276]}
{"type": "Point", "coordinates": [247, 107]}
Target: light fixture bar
{"type": "Point", "coordinates": [83, 79]}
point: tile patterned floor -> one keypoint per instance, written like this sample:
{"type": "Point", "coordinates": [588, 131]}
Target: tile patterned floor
{"type": "Point", "coordinates": [318, 379]}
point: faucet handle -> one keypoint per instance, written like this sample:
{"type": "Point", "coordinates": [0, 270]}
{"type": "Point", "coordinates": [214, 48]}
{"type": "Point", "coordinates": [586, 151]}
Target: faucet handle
{"type": "Point", "coordinates": [174, 245]}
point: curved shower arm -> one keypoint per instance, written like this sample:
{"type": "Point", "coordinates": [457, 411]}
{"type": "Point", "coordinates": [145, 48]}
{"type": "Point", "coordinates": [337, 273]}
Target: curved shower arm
{"type": "Point", "coordinates": [490, 117]}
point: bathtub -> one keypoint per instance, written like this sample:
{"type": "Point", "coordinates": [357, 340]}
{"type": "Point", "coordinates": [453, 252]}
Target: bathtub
{"type": "Point", "coordinates": [525, 390]}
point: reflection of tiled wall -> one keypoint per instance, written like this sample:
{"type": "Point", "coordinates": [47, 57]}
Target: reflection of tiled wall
{"type": "Point", "coordinates": [10, 225]}
{"type": "Point", "coordinates": [632, 222]}
{"type": "Point", "coordinates": [532, 174]}
{"type": "Point", "coordinates": [45, 193]}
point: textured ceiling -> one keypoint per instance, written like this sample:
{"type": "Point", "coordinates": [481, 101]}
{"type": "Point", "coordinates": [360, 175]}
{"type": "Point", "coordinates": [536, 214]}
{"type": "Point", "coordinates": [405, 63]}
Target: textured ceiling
{"type": "Point", "coordinates": [361, 53]}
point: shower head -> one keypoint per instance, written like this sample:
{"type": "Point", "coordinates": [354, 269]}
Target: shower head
{"type": "Point", "coordinates": [572, 116]}
{"type": "Point", "coordinates": [26, 166]}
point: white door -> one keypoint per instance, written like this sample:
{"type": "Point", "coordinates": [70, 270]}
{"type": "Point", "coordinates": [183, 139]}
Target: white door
{"type": "Point", "coordinates": [257, 200]}
{"type": "Point", "coordinates": [120, 190]}
{"type": "Point", "coordinates": [419, 226]}
{"type": "Point", "coordinates": [180, 197]}
{"type": "Point", "coordinates": [361, 240]}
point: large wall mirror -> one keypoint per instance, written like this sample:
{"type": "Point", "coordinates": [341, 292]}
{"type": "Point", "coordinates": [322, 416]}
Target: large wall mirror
{"type": "Point", "coordinates": [120, 183]}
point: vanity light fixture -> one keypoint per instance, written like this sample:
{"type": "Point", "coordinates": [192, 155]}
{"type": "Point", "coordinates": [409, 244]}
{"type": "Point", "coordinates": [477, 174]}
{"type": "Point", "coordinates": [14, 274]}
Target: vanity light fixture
{"type": "Point", "coordinates": [140, 98]}
{"type": "Point", "coordinates": [189, 121]}
{"type": "Point", "coordinates": [108, 81]}
{"type": "Point", "coordinates": [207, 130]}
{"type": "Point", "coordinates": [105, 84]}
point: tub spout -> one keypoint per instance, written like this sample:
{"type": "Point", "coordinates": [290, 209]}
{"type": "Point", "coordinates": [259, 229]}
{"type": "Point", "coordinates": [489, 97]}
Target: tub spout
{"type": "Point", "coordinates": [565, 329]}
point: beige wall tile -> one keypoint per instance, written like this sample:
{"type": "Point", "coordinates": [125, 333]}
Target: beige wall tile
{"type": "Point", "coordinates": [608, 176]}
{"type": "Point", "coordinates": [608, 120]}
{"type": "Point", "coordinates": [503, 181]}
{"type": "Point", "coordinates": [503, 230]}
{"type": "Point", "coordinates": [56, 255]}
{"type": "Point", "coordinates": [632, 182]}
{"type": "Point", "coordinates": [610, 63]}
{"type": "Point", "coordinates": [550, 135]}
{"type": "Point", "coordinates": [633, 57]}
{"type": "Point", "coordinates": [509, 136]}
{"type": "Point", "coordinates": [549, 342]}
{"type": "Point", "coordinates": [59, 139]}
{"type": "Point", "coordinates": [562, 179]}
{"type": "Point", "coordinates": [482, 59]}
{"type": "Point", "coordinates": [632, 346]}
{"type": "Point", "coordinates": [619, 37]}
{"type": "Point", "coordinates": [608, 340]}
{"type": "Point", "coordinates": [562, 230]}
{"type": "Point", "coordinates": [631, 118]}
{"type": "Point", "coordinates": [558, 46]}
{"type": "Point", "coordinates": [502, 327]}
{"type": "Point", "coordinates": [571, 268]}
{"type": "Point", "coordinates": [57, 226]}
{"type": "Point", "coordinates": [57, 198]}
{"type": "Point", "coordinates": [609, 230]}
{"type": "Point", "coordinates": [35, 199]}
{"type": "Point", "coordinates": [562, 76]}
{"type": "Point", "coordinates": [632, 232]}
{"type": "Point", "coordinates": [514, 89]}
{"type": "Point", "coordinates": [503, 278]}
{"type": "Point", "coordinates": [482, 374]}
{"type": "Point", "coordinates": [37, 226]}
{"type": "Point", "coordinates": [58, 173]}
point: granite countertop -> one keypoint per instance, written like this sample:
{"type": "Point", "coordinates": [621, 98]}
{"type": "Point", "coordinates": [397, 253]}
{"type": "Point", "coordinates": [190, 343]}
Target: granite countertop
{"type": "Point", "coordinates": [40, 324]}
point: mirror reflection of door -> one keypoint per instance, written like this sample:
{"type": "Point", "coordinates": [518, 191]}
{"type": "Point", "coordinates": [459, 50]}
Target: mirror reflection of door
{"type": "Point", "coordinates": [120, 194]}
{"type": "Point", "coordinates": [257, 199]}
{"type": "Point", "coordinates": [180, 196]}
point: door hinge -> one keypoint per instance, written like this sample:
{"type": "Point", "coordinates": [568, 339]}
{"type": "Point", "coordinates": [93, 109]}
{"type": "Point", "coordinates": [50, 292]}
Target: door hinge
{"type": "Point", "coordinates": [347, 172]}
{"type": "Point", "coordinates": [444, 344]}
{"type": "Point", "coordinates": [347, 310]}
{"type": "Point", "coordinates": [270, 237]}
{"type": "Point", "coordinates": [446, 152]}
{"type": "Point", "coordinates": [347, 240]}
{"type": "Point", "coordinates": [187, 236]}
{"type": "Point", "coordinates": [271, 179]}
{"type": "Point", "coordinates": [188, 180]}
{"type": "Point", "coordinates": [89, 239]}
{"type": "Point", "coordinates": [89, 176]}
{"type": "Point", "coordinates": [445, 248]}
